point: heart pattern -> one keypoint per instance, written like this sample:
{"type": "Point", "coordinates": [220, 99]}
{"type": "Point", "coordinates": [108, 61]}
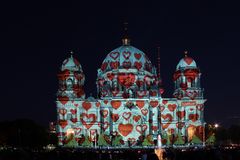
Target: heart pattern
{"type": "Point", "coordinates": [137, 56]}
{"type": "Point", "coordinates": [114, 65]}
{"type": "Point", "coordinates": [154, 103]}
{"type": "Point", "coordinates": [104, 113]}
{"type": "Point", "coordinates": [86, 105]}
{"type": "Point", "coordinates": [144, 111]}
{"type": "Point", "coordinates": [74, 120]}
{"type": "Point", "coordinates": [63, 99]}
{"type": "Point", "coordinates": [114, 55]}
{"type": "Point", "coordinates": [138, 65]}
{"type": "Point", "coordinates": [181, 114]}
{"type": "Point", "coordinates": [127, 115]}
{"type": "Point", "coordinates": [63, 123]}
{"type": "Point", "coordinates": [115, 117]}
{"type": "Point", "coordinates": [193, 117]}
{"type": "Point", "coordinates": [77, 131]}
{"type": "Point", "coordinates": [141, 128]}
{"type": "Point", "coordinates": [140, 104]}
{"type": "Point", "coordinates": [62, 111]}
{"type": "Point", "coordinates": [168, 118]}
{"type": "Point", "coordinates": [126, 54]}
{"type": "Point", "coordinates": [137, 118]}
{"type": "Point", "coordinates": [188, 60]}
{"type": "Point", "coordinates": [73, 111]}
{"type": "Point", "coordinates": [116, 104]}
{"type": "Point", "coordinates": [91, 119]}
{"type": "Point", "coordinates": [172, 107]}
{"type": "Point", "coordinates": [164, 102]}
{"type": "Point", "coordinates": [125, 129]}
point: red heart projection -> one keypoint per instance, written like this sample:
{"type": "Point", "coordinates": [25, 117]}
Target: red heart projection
{"type": "Point", "coordinates": [86, 105]}
{"type": "Point", "coordinates": [125, 129]}
{"type": "Point", "coordinates": [73, 111]}
{"type": "Point", "coordinates": [105, 101]}
{"type": "Point", "coordinates": [74, 120]}
{"type": "Point", "coordinates": [181, 114]}
{"type": "Point", "coordinates": [191, 74]}
{"type": "Point", "coordinates": [154, 103]}
{"type": "Point", "coordinates": [172, 107]}
{"type": "Point", "coordinates": [62, 111]}
{"type": "Point", "coordinates": [144, 112]}
{"type": "Point", "coordinates": [126, 64]}
{"type": "Point", "coordinates": [63, 123]}
{"type": "Point", "coordinates": [114, 55]}
{"type": "Point", "coordinates": [137, 55]}
{"type": "Point", "coordinates": [116, 104]}
{"type": "Point", "coordinates": [104, 66]}
{"type": "Point", "coordinates": [140, 104]}
{"type": "Point", "coordinates": [105, 125]}
{"type": "Point", "coordinates": [136, 118]}
{"type": "Point", "coordinates": [115, 117]}
{"type": "Point", "coordinates": [193, 117]}
{"type": "Point", "coordinates": [141, 128]}
{"type": "Point", "coordinates": [104, 113]}
{"type": "Point", "coordinates": [138, 65]}
{"type": "Point", "coordinates": [154, 128]}
{"type": "Point", "coordinates": [75, 104]}
{"type": "Point", "coordinates": [126, 54]}
{"type": "Point", "coordinates": [91, 119]}
{"type": "Point", "coordinates": [110, 76]}
{"type": "Point", "coordinates": [180, 125]}
{"type": "Point", "coordinates": [153, 93]}
{"type": "Point", "coordinates": [97, 104]}
{"type": "Point", "coordinates": [63, 99]}
{"type": "Point", "coordinates": [77, 131]}
{"type": "Point", "coordinates": [164, 102]}
{"type": "Point", "coordinates": [168, 118]}
{"type": "Point", "coordinates": [127, 115]}
{"type": "Point", "coordinates": [114, 65]}
{"type": "Point", "coordinates": [188, 60]}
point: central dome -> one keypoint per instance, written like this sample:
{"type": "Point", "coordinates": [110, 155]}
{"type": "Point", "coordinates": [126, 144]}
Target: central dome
{"type": "Point", "coordinates": [126, 57]}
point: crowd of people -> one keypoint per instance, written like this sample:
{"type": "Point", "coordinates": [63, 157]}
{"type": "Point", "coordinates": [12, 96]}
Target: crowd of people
{"type": "Point", "coordinates": [124, 154]}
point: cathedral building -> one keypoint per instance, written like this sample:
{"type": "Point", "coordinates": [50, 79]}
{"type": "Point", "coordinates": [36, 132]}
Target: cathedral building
{"type": "Point", "coordinates": [129, 110]}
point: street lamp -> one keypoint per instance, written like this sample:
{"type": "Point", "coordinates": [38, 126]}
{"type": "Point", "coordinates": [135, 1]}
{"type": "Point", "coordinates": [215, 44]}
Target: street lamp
{"type": "Point", "coordinates": [216, 125]}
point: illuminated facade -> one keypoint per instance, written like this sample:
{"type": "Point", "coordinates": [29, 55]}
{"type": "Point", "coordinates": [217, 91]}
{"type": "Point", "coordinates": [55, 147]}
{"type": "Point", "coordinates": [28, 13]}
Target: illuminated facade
{"type": "Point", "coordinates": [129, 110]}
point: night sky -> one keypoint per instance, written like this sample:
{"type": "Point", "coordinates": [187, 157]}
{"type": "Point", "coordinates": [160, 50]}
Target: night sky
{"type": "Point", "coordinates": [37, 37]}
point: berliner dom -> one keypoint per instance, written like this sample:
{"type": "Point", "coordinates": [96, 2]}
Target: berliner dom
{"type": "Point", "coordinates": [129, 110]}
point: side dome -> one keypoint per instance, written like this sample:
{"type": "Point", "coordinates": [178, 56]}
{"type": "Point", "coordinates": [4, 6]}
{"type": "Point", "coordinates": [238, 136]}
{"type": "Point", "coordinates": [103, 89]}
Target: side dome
{"type": "Point", "coordinates": [186, 62]}
{"type": "Point", "coordinates": [71, 64]}
{"type": "Point", "coordinates": [126, 57]}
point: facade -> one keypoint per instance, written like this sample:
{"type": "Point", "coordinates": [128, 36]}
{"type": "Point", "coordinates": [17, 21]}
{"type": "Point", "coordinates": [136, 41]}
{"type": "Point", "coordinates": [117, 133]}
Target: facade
{"type": "Point", "coordinates": [130, 110]}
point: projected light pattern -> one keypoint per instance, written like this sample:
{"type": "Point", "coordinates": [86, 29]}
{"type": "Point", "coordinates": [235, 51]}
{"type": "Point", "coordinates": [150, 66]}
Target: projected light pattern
{"type": "Point", "coordinates": [130, 110]}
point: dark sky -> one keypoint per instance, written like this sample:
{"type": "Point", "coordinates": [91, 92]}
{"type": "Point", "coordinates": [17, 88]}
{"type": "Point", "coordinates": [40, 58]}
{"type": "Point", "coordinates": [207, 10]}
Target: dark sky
{"type": "Point", "coordinates": [37, 37]}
